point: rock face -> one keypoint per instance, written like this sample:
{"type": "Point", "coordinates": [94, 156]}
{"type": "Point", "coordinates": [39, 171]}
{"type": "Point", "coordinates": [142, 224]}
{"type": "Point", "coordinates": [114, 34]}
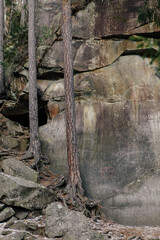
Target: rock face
{"type": "Point", "coordinates": [117, 95]}
{"type": "Point", "coordinates": [76, 228]}
{"type": "Point", "coordinates": [117, 129]}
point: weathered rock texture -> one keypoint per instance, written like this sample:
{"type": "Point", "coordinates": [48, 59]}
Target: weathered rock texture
{"type": "Point", "coordinates": [24, 193]}
{"type": "Point", "coordinates": [71, 225]}
{"type": "Point", "coordinates": [117, 97]}
{"type": "Point", "coordinates": [6, 214]}
{"type": "Point", "coordinates": [16, 168]}
{"type": "Point", "coordinates": [13, 135]}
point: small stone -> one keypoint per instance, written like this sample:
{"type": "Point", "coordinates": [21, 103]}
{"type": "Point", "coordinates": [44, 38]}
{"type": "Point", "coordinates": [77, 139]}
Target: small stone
{"type": "Point", "coordinates": [21, 213]}
{"type": "Point", "coordinates": [6, 232]}
{"type": "Point", "coordinates": [32, 225]}
{"type": "Point", "coordinates": [18, 236]}
{"type": "Point", "coordinates": [2, 206]}
{"type": "Point", "coordinates": [6, 213]}
{"type": "Point", "coordinates": [10, 222]}
{"type": "Point", "coordinates": [19, 225]}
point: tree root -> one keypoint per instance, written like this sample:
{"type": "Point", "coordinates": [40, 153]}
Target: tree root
{"type": "Point", "coordinates": [39, 162]}
{"type": "Point", "coordinates": [73, 197]}
{"type": "Point", "coordinates": [28, 155]}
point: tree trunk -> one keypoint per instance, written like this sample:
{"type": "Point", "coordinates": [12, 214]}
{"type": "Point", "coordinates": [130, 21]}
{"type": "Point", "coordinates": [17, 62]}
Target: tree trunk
{"type": "Point", "coordinates": [33, 101]}
{"type": "Point", "coordinates": [23, 13]}
{"type": "Point", "coordinates": [2, 86]}
{"type": "Point", "coordinates": [73, 164]}
{"type": "Point", "coordinates": [5, 20]}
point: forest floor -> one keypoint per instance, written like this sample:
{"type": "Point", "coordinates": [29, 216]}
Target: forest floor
{"type": "Point", "coordinates": [106, 227]}
{"type": "Point", "coordinates": [111, 230]}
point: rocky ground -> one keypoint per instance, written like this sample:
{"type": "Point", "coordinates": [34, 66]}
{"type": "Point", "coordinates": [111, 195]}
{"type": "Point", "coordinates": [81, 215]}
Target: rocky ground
{"type": "Point", "coordinates": [22, 219]}
{"type": "Point", "coordinates": [34, 229]}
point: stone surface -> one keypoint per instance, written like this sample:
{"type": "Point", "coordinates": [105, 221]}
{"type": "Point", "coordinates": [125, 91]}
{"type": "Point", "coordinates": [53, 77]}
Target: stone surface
{"type": "Point", "coordinates": [6, 213]}
{"type": "Point", "coordinates": [2, 206]}
{"type": "Point", "coordinates": [93, 20]}
{"type": "Point", "coordinates": [118, 138]}
{"type": "Point", "coordinates": [17, 168]}
{"type": "Point", "coordinates": [88, 54]}
{"type": "Point", "coordinates": [21, 213]}
{"type": "Point", "coordinates": [10, 222]}
{"type": "Point", "coordinates": [32, 225]}
{"type": "Point", "coordinates": [129, 78]}
{"type": "Point", "coordinates": [13, 135]}
{"type": "Point", "coordinates": [18, 225]}
{"type": "Point", "coordinates": [62, 222]}
{"type": "Point", "coordinates": [18, 236]}
{"type": "Point", "coordinates": [54, 145]}
{"type": "Point", "coordinates": [24, 193]}
{"type": "Point", "coordinates": [55, 90]}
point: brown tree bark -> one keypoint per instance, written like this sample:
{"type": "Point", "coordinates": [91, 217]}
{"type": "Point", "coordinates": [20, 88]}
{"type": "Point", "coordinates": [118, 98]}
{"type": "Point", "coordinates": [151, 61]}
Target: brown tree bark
{"type": "Point", "coordinates": [2, 86]}
{"type": "Point", "coordinates": [72, 154]}
{"type": "Point", "coordinates": [33, 101]}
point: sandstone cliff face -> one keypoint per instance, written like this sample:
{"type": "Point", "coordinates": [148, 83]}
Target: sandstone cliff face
{"type": "Point", "coordinates": [117, 97]}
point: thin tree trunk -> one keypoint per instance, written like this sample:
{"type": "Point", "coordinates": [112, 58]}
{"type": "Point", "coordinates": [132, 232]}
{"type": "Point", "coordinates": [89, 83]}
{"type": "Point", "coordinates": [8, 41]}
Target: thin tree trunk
{"type": "Point", "coordinates": [2, 86]}
{"type": "Point", "coordinates": [33, 101]}
{"type": "Point", "coordinates": [23, 12]}
{"type": "Point", "coordinates": [73, 163]}
{"type": "Point", "coordinates": [5, 20]}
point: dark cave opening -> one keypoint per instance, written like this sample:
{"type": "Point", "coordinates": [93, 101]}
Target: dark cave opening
{"type": "Point", "coordinates": [24, 118]}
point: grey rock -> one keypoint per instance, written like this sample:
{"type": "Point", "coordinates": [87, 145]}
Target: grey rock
{"type": "Point", "coordinates": [19, 225]}
{"type": "Point", "coordinates": [2, 206]}
{"type": "Point", "coordinates": [10, 222]}
{"type": "Point", "coordinates": [24, 193]}
{"type": "Point", "coordinates": [17, 168]}
{"type": "Point", "coordinates": [97, 53]}
{"type": "Point", "coordinates": [18, 236]}
{"type": "Point", "coordinates": [60, 221]}
{"type": "Point", "coordinates": [6, 232]}
{"type": "Point", "coordinates": [6, 213]}
{"type": "Point", "coordinates": [90, 235]}
{"type": "Point", "coordinates": [21, 213]}
{"type": "Point", "coordinates": [32, 225]}
{"type": "Point", "coordinates": [122, 114]}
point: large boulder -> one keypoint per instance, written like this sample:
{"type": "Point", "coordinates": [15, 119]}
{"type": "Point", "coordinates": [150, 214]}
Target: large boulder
{"type": "Point", "coordinates": [71, 225]}
{"type": "Point", "coordinates": [17, 168]}
{"type": "Point", "coordinates": [23, 193]}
